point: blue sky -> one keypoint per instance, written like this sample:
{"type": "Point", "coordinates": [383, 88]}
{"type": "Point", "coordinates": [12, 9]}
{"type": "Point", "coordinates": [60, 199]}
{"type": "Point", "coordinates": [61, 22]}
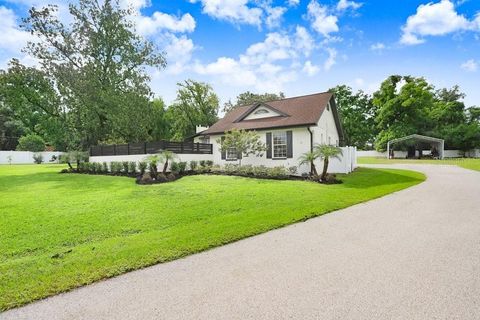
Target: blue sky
{"type": "Point", "coordinates": [295, 46]}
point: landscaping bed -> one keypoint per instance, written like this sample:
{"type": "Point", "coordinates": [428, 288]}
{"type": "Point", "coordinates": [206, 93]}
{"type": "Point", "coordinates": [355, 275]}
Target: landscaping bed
{"type": "Point", "coordinates": [182, 169]}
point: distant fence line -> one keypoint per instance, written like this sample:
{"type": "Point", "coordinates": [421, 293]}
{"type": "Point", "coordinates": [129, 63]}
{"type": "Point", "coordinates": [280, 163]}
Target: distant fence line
{"type": "Point", "coordinates": [188, 147]}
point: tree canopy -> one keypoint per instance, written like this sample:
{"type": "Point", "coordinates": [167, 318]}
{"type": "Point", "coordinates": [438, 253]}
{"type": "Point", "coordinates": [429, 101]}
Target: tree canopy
{"type": "Point", "coordinates": [96, 64]}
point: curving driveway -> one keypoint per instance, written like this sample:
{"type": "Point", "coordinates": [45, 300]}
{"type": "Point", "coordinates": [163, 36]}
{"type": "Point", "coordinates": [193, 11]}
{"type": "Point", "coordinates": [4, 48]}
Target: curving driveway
{"type": "Point", "coordinates": [414, 254]}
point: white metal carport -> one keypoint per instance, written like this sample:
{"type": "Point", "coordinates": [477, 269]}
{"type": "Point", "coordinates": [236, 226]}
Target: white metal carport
{"type": "Point", "coordinates": [439, 143]}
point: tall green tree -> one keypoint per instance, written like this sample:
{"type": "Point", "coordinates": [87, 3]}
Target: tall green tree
{"type": "Point", "coordinates": [160, 122]}
{"type": "Point", "coordinates": [357, 114]}
{"type": "Point", "coordinates": [29, 97]}
{"type": "Point", "coordinates": [98, 65]}
{"type": "Point", "coordinates": [248, 97]}
{"type": "Point", "coordinates": [196, 104]}
{"type": "Point", "coordinates": [403, 106]}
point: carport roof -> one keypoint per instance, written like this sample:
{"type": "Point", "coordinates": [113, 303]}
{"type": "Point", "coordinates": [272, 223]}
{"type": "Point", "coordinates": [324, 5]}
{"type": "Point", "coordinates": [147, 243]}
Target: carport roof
{"type": "Point", "coordinates": [417, 137]}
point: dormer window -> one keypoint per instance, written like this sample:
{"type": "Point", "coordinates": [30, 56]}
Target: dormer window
{"type": "Point", "coordinates": [261, 111]}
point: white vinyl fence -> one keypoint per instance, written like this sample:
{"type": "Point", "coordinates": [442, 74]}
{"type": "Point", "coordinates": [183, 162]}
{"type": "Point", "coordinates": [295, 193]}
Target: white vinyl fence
{"type": "Point", "coordinates": [26, 157]}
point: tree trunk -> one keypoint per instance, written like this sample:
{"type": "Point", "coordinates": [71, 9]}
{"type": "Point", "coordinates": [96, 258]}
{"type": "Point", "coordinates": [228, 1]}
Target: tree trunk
{"type": "Point", "coordinates": [69, 165]}
{"type": "Point", "coordinates": [313, 169]}
{"type": "Point", "coordinates": [325, 168]}
{"type": "Point", "coordinates": [165, 166]}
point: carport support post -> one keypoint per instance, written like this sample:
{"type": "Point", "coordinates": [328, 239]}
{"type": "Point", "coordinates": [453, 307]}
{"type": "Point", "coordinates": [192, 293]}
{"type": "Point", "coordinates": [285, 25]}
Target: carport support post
{"type": "Point", "coordinates": [388, 150]}
{"type": "Point", "coordinates": [442, 149]}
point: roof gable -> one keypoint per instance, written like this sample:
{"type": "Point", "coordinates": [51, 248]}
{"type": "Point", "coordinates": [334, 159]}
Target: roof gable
{"type": "Point", "coordinates": [261, 111]}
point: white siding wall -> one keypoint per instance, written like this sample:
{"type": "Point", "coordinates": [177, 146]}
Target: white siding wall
{"type": "Point", "coordinates": [326, 129]}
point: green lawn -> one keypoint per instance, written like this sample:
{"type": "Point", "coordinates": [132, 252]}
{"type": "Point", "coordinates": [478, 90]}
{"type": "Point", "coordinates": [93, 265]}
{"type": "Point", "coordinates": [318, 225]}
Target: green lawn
{"type": "Point", "coordinates": [467, 163]}
{"type": "Point", "coordinates": [61, 231]}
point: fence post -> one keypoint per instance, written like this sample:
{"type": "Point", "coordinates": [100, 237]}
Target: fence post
{"type": "Point", "coordinates": [128, 148]}
{"type": "Point", "coordinates": [101, 149]}
{"type": "Point", "coordinates": [181, 147]}
{"type": "Point", "coordinates": [114, 149]}
{"type": "Point", "coordinates": [145, 148]}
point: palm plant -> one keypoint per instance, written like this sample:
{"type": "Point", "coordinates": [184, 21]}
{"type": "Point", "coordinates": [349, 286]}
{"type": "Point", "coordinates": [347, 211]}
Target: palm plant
{"type": "Point", "coordinates": [309, 158]}
{"type": "Point", "coordinates": [165, 156]}
{"type": "Point", "coordinates": [325, 152]}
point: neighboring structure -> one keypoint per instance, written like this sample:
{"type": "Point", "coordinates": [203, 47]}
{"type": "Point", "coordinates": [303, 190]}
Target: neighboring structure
{"type": "Point", "coordinates": [288, 127]}
{"type": "Point", "coordinates": [437, 145]}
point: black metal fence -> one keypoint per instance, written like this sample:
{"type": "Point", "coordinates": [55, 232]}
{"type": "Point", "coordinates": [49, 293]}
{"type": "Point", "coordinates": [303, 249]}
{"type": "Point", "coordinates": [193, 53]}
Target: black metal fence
{"type": "Point", "coordinates": [187, 147]}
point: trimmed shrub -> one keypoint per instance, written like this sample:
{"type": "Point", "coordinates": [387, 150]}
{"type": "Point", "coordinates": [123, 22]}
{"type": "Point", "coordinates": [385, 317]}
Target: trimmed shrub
{"type": "Point", "coordinates": [105, 167]}
{"type": "Point", "coordinates": [246, 170]}
{"type": "Point", "coordinates": [31, 142]}
{"type": "Point", "coordinates": [125, 167]}
{"type": "Point", "coordinates": [171, 176]}
{"type": "Point", "coordinates": [37, 158]}
{"type": "Point", "coordinates": [209, 163]}
{"type": "Point", "coordinates": [260, 171]}
{"type": "Point", "coordinates": [132, 167]}
{"type": "Point", "coordinates": [152, 168]}
{"type": "Point", "coordinates": [277, 172]}
{"type": "Point", "coordinates": [193, 165]}
{"type": "Point", "coordinates": [98, 167]}
{"type": "Point", "coordinates": [231, 168]}
{"type": "Point", "coordinates": [203, 163]}
{"type": "Point", "coordinates": [174, 167]}
{"type": "Point", "coordinates": [182, 166]}
{"type": "Point", "coordinates": [142, 167]}
{"type": "Point", "coordinates": [115, 167]}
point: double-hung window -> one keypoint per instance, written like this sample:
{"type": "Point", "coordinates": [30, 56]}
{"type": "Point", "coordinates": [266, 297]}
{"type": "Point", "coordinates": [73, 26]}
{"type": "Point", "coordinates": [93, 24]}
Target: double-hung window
{"type": "Point", "coordinates": [279, 145]}
{"type": "Point", "coordinates": [231, 154]}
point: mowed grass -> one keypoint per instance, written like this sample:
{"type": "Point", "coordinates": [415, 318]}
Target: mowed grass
{"type": "Point", "coordinates": [61, 231]}
{"type": "Point", "coordinates": [467, 163]}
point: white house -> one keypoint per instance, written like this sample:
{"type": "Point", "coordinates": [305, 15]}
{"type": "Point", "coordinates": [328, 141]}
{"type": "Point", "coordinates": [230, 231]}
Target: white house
{"type": "Point", "coordinates": [288, 127]}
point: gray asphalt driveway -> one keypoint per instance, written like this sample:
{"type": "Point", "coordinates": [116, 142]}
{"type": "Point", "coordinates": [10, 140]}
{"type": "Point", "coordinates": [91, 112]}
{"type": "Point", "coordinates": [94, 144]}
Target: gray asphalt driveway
{"type": "Point", "coordinates": [414, 254]}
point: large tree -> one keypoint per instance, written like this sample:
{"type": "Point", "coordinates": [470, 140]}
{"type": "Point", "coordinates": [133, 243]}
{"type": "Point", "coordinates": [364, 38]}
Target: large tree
{"type": "Point", "coordinates": [97, 63]}
{"type": "Point", "coordinates": [403, 104]}
{"type": "Point", "coordinates": [248, 97]}
{"type": "Point", "coordinates": [196, 105]}
{"type": "Point", "coordinates": [357, 114]}
{"type": "Point", "coordinates": [29, 97]}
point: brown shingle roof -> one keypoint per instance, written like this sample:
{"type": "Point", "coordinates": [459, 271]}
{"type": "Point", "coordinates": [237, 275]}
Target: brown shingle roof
{"type": "Point", "coordinates": [304, 110]}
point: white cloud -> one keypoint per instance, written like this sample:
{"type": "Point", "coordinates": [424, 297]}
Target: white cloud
{"type": "Point", "coordinates": [179, 53]}
{"type": "Point", "coordinates": [433, 19]}
{"type": "Point", "coordinates": [149, 25]}
{"type": "Point", "coordinates": [331, 60]}
{"type": "Point", "coordinates": [379, 46]}
{"type": "Point", "coordinates": [274, 16]}
{"type": "Point", "coordinates": [12, 39]}
{"type": "Point", "coordinates": [343, 5]}
{"type": "Point", "coordinates": [304, 41]}
{"type": "Point", "coordinates": [310, 69]}
{"type": "Point", "coordinates": [293, 3]}
{"type": "Point", "coordinates": [234, 11]}
{"type": "Point", "coordinates": [470, 65]}
{"type": "Point", "coordinates": [321, 21]}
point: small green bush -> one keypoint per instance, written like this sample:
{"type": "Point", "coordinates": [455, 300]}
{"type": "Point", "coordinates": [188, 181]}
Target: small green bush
{"type": "Point", "coordinates": [125, 167]}
{"type": "Point", "coordinates": [37, 158]}
{"type": "Point", "coordinates": [182, 166]}
{"type": "Point", "coordinates": [174, 167]}
{"type": "Point", "coordinates": [209, 163]}
{"type": "Point", "coordinates": [98, 167]}
{"type": "Point", "coordinates": [203, 163]}
{"type": "Point", "coordinates": [231, 168]}
{"type": "Point", "coordinates": [132, 167]}
{"type": "Point", "coordinates": [142, 167]}
{"type": "Point", "coordinates": [277, 172]}
{"type": "Point", "coordinates": [115, 167]}
{"type": "Point", "coordinates": [245, 170]}
{"type": "Point", "coordinates": [31, 142]}
{"type": "Point", "coordinates": [193, 165]}
{"type": "Point", "coordinates": [260, 171]}
{"type": "Point", "coordinates": [105, 167]}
